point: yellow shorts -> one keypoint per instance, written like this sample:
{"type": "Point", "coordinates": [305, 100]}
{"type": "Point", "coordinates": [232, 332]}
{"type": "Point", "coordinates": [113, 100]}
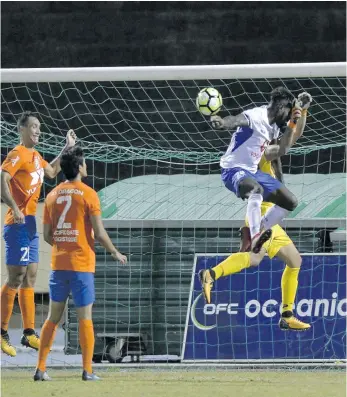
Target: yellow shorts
{"type": "Point", "coordinates": [278, 240]}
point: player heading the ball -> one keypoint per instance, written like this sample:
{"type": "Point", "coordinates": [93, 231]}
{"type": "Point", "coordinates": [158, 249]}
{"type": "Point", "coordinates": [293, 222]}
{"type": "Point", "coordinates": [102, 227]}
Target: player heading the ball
{"type": "Point", "coordinates": [72, 218]}
{"type": "Point", "coordinates": [255, 129]}
{"type": "Point", "coordinates": [278, 244]}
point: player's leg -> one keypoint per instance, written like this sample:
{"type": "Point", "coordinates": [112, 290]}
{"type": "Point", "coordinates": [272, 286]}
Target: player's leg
{"type": "Point", "coordinates": [284, 200]}
{"type": "Point", "coordinates": [56, 310]}
{"type": "Point", "coordinates": [15, 276]}
{"type": "Point", "coordinates": [244, 185]}
{"type": "Point", "coordinates": [59, 289]}
{"type": "Point", "coordinates": [83, 294]}
{"type": "Point", "coordinates": [26, 298]}
{"type": "Point", "coordinates": [246, 240]}
{"type": "Point", "coordinates": [26, 293]}
{"type": "Point", "coordinates": [289, 284]}
{"type": "Point", "coordinates": [17, 247]}
{"type": "Point", "coordinates": [235, 263]}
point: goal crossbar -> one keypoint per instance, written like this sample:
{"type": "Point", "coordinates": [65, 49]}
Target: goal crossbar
{"type": "Point", "coordinates": [195, 72]}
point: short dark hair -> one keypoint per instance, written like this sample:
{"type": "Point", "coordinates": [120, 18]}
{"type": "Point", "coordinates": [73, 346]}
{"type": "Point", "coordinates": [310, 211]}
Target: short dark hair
{"type": "Point", "coordinates": [280, 93]}
{"type": "Point", "coordinates": [70, 161]}
{"type": "Point", "coordinates": [24, 118]}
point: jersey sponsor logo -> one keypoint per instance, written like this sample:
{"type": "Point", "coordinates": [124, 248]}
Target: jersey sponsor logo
{"type": "Point", "coordinates": [36, 179]}
{"type": "Point", "coordinates": [256, 155]}
{"type": "Point", "coordinates": [253, 308]}
{"type": "Point", "coordinates": [14, 161]}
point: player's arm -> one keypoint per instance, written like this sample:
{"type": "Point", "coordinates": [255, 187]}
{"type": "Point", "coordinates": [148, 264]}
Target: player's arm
{"type": "Point", "coordinates": [101, 235]}
{"type": "Point", "coordinates": [277, 168]}
{"type": "Point", "coordinates": [7, 197]}
{"type": "Point", "coordinates": [294, 129]}
{"type": "Point", "coordinates": [305, 100]}
{"type": "Point", "coordinates": [272, 152]}
{"type": "Point", "coordinates": [276, 164]}
{"type": "Point", "coordinates": [48, 233]}
{"type": "Point", "coordinates": [229, 122]}
{"type": "Point", "coordinates": [52, 169]}
{"type": "Point", "coordinates": [47, 225]}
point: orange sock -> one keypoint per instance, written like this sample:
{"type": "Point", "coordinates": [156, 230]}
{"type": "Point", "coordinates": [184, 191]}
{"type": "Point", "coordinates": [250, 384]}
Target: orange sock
{"type": "Point", "coordinates": [46, 342]}
{"type": "Point", "coordinates": [7, 301]}
{"type": "Point", "coordinates": [26, 299]}
{"type": "Point", "coordinates": [87, 343]}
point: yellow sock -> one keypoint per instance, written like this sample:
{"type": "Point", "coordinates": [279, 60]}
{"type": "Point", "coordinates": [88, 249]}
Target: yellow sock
{"type": "Point", "coordinates": [233, 264]}
{"type": "Point", "coordinates": [289, 286]}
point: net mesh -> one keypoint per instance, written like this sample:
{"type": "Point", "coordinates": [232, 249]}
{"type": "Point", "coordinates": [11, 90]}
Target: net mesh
{"type": "Point", "coordinates": [157, 120]}
{"type": "Point", "coordinates": [150, 128]}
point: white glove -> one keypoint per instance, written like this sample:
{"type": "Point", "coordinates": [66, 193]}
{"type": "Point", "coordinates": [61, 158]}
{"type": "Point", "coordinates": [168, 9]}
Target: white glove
{"type": "Point", "coordinates": [305, 100]}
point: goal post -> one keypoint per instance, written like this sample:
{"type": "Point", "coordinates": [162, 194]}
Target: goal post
{"type": "Point", "coordinates": [193, 72]}
{"type": "Point", "coordinates": [154, 161]}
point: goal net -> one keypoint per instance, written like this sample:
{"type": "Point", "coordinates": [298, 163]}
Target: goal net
{"type": "Point", "coordinates": [154, 160]}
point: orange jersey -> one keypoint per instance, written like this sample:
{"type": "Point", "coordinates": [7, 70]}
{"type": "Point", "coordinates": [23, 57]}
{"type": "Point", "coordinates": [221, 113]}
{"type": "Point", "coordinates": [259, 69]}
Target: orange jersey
{"type": "Point", "coordinates": [26, 168]}
{"type": "Point", "coordinates": [67, 209]}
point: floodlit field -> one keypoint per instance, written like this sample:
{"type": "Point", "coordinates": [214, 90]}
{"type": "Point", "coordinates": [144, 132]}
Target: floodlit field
{"type": "Point", "coordinates": [178, 383]}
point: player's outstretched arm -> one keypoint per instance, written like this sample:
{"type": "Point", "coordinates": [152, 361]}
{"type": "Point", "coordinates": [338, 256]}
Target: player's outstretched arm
{"type": "Point", "coordinates": [229, 122]}
{"type": "Point", "coordinates": [8, 199]}
{"type": "Point", "coordinates": [103, 238]}
{"type": "Point", "coordinates": [53, 168]}
{"type": "Point", "coordinates": [305, 100]}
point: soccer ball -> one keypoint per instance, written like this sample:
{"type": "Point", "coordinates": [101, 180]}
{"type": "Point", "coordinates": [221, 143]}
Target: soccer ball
{"type": "Point", "coordinates": [209, 101]}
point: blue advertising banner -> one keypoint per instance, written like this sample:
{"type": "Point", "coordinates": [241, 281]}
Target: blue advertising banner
{"type": "Point", "coordinates": [241, 323]}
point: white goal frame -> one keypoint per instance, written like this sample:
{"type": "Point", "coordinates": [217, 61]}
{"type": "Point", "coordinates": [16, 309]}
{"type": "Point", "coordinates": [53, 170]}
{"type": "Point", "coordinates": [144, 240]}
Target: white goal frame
{"type": "Point", "coordinates": [195, 72]}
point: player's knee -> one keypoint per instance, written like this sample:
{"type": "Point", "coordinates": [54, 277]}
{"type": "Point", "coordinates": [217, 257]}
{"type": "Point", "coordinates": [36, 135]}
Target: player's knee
{"type": "Point", "coordinates": [247, 188]}
{"type": "Point", "coordinates": [255, 259]}
{"type": "Point", "coordinates": [257, 190]}
{"type": "Point", "coordinates": [54, 318]}
{"type": "Point", "coordinates": [15, 279]}
{"type": "Point", "coordinates": [29, 280]}
{"type": "Point", "coordinates": [295, 261]}
{"type": "Point", "coordinates": [291, 203]}
{"type": "Point", "coordinates": [294, 203]}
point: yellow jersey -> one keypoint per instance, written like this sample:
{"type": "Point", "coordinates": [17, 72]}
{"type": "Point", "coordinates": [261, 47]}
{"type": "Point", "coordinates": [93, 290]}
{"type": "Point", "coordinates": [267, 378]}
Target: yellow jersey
{"type": "Point", "coordinates": [265, 166]}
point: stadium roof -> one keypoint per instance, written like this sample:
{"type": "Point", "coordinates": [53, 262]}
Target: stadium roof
{"type": "Point", "coordinates": [204, 197]}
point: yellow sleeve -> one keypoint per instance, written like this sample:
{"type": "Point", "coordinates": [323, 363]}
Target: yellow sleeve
{"type": "Point", "coordinates": [265, 166]}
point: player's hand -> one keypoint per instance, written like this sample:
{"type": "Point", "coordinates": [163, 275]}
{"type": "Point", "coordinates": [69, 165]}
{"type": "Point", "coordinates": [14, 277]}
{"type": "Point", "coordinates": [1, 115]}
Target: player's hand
{"type": "Point", "coordinates": [119, 257]}
{"type": "Point", "coordinates": [18, 216]}
{"type": "Point", "coordinates": [70, 138]}
{"type": "Point", "coordinates": [296, 112]}
{"type": "Point", "coordinates": [305, 100]}
{"type": "Point", "coordinates": [217, 122]}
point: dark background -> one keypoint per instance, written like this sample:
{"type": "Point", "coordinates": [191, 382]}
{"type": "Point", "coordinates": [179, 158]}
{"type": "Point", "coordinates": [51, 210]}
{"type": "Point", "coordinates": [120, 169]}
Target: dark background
{"type": "Point", "coordinates": [76, 34]}
{"type": "Point", "coordinates": [57, 34]}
